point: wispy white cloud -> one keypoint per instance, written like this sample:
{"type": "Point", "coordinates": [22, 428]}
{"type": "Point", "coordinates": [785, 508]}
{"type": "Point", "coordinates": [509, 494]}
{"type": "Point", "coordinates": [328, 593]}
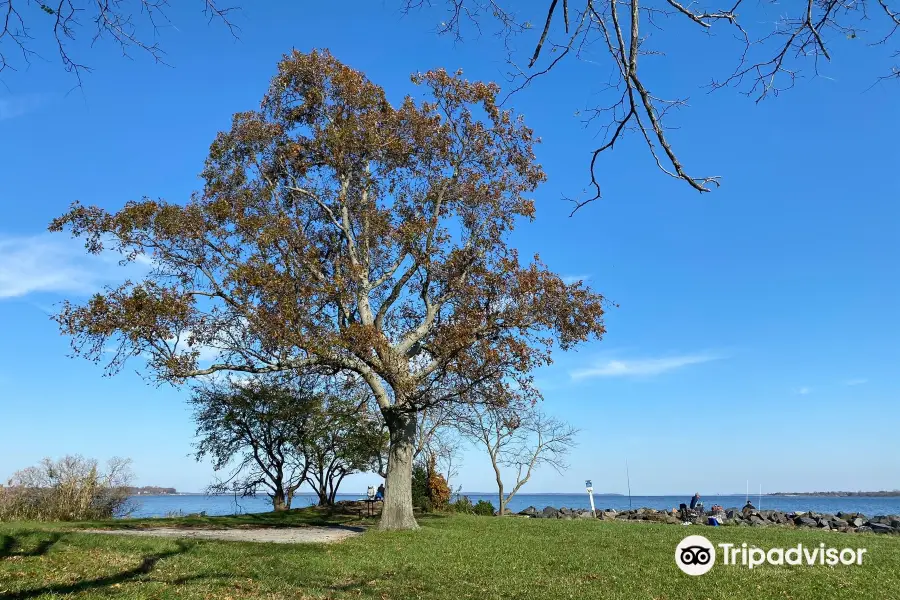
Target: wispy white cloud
{"type": "Point", "coordinates": [52, 263]}
{"type": "Point", "coordinates": [17, 106]}
{"type": "Point", "coordinates": [570, 279]}
{"type": "Point", "coordinates": [643, 366]}
{"type": "Point", "coordinates": [858, 381]}
{"type": "Point", "coordinates": [803, 391]}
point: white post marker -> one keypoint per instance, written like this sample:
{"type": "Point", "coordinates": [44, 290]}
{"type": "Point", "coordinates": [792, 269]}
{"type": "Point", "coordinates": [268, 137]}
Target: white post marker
{"type": "Point", "coordinates": [590, 491]}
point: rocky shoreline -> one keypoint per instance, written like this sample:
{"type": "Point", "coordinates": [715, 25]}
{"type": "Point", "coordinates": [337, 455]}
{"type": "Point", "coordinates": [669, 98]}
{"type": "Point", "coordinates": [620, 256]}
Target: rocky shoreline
{"type": "Point", "coordinates": [842, 521]}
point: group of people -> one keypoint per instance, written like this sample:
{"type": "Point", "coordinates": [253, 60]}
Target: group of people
{"type": "Point", "coordinates": [697, 505]}
{"type": "Point", "coordinates": [374, 494]}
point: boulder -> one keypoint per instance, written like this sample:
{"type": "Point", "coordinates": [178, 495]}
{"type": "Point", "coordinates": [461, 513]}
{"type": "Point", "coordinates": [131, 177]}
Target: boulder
{"type": "Point", "coordinates": [732, 513]}
{"type": "Point", "coordinates": [608, 515]}
{"type": "Point", "coordinates": [805, 522]}
{"type": "Point", "coordinates": [837, 523]}
{"type": "Point", "coordinates": [757, 521]}
{"type": "Point", "coordinates": [857, 522]}
{"type": "Point", "coordinates": [529, 512]}
{"type": "Point", "coordinates": [585, 515]}
{"type": "Point", "coordinates": [549, 512]}
{"type": "Point", "coordinates": [880, 527]}
{"type": "Point", "coordinates": [864, 529]}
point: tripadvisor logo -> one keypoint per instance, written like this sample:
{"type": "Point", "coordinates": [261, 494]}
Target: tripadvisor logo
{"type": "Point", "coordinates": [696, 555]}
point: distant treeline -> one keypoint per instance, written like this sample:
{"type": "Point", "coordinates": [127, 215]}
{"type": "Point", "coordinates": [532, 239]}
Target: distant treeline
{"type": "Point", "coordinates": [150, 490]}
{"type": "Point", "coordinates": [882, 493]}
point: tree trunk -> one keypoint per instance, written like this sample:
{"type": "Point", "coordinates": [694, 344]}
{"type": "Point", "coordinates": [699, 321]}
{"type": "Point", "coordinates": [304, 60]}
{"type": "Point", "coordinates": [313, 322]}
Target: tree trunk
{"type": "Point", "coordinates": [278, 502]}
{"type": "Point", "coordinates": [397, 512]}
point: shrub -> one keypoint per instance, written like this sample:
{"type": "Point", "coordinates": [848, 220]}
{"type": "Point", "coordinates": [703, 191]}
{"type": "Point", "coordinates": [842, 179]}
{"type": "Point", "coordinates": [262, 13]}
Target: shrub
{"type": "Point", "coordinates": [484, 509]}
{"type": "Point", "coordinates": [438, 490]}
{"type": "Point", "coordinates": [463, 505]}
{"type": "Point", "coordinates": [420, 487]}
{"type": "Point", "coordinates": [70, 489]}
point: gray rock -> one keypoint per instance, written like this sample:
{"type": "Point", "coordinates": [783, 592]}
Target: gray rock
{"type": "Point", "coordinates": [864, 529]}
{"type": "Point", "coordinates": [549, 512]}
{"type": "Point", "coordinates": [857, 522]}
{"type": "Point", "coordinates": [585, 515]}
{"type": "Point", "coordinates": [880, 527]}
{"type": "Point", "coordinates": [805, 522]}
{"type": "Point", "coordinates": [608, 515]}
{"type": "Point", "coordinates": [757, 521]}
{"type": "Point", "coordinates": [529, 512]}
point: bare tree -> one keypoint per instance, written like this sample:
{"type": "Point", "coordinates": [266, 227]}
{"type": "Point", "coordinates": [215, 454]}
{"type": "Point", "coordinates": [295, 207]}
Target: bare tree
{"type": "Point", "coordinates": [520, 438]}
{"type": "Point", "coordinates": [129, 25]}
{"type": "Point", "coordinates": [773, 40]}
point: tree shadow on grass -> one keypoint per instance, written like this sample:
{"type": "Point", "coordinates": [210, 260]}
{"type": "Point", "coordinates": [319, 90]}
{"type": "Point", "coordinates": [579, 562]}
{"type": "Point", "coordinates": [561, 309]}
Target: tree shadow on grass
{"type": "Point", "coordinates": [9, 546]}
{"type": "Point", "coordinates": [148, 563]}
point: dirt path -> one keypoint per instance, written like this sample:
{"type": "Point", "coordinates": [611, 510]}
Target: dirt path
{"type": "Point", "coordinates": [279, 535]}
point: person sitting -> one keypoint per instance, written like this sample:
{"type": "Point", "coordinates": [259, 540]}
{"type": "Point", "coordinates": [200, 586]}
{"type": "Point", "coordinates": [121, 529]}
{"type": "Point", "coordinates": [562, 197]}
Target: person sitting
{"type": "Point", "coordinates": [748, 508]}
{"type": "Point", "coordinates": [695, 500]}
{"type": "Point", "coordinates": [379, 495]}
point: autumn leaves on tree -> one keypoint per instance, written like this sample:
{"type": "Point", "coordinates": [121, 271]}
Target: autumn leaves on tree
{"type": "Point", "coordinates": [338, 232]}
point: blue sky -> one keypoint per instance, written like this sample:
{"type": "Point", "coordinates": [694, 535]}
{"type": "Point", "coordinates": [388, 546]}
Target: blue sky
{"type": "Point", "coordinates": [756, 334]}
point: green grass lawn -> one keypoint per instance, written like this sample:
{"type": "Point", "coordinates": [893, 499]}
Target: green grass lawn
{"type": "Point", "coordinates": [449, 557]}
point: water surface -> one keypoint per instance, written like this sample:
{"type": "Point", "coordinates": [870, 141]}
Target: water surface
{"type": "Point", "coordinates": [160, 506]}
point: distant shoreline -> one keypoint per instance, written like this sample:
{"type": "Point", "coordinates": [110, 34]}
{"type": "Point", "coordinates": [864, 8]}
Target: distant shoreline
{"type": "Point", "coordinates": [882, 494]}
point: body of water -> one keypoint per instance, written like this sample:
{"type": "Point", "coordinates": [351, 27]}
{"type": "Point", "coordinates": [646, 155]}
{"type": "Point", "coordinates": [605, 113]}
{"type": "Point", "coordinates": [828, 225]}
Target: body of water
{"type": "Point", "coordinates": [160, 506]}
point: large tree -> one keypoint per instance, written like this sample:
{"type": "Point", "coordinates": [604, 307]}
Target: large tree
{"type": "Point", "coordinates": [771, 44]}
{"type": "Point", "coordinates": [339, 231]}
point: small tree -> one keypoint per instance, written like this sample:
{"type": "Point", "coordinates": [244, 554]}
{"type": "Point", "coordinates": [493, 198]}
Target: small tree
{"type": "Point", "coordinates": [249, 427]}
{"type": "Point", "coordinates": [343, 437]}
{"type": "Point", "coordinates": [522, 438]}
